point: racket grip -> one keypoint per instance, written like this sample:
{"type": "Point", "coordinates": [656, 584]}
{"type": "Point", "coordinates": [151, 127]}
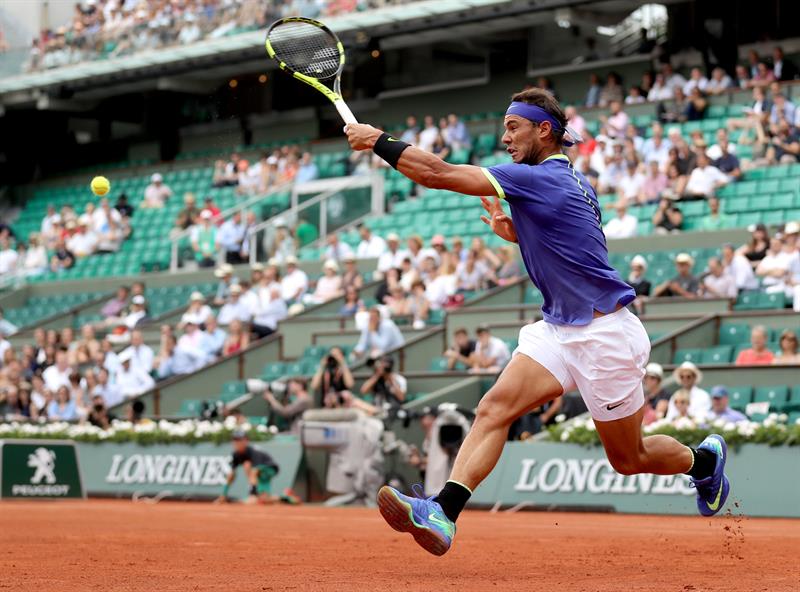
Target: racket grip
{"type": "Point", "coordinates": [345, 112]}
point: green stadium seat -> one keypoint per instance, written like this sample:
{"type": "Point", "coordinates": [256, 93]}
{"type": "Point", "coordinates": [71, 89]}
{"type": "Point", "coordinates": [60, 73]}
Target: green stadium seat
{"type": "Point", "coordinates": [734, 334]}
{"type": "Point", "coordinates": [438, 364]}
{"type": "Point", "coordinates": [235, 388]}
{"type": "Point", "coordinates": [273, 370]}
{"type": "Point", "coordinates": [717, 355]}
{"type": "Point", "coordinates": [740, 396]}
{"type": "Point", "coordinates": [190, 408]}
{"type": "Point", "coordinates": [693, 355]}
{"type": "Point", "coordinates": [776, 396]}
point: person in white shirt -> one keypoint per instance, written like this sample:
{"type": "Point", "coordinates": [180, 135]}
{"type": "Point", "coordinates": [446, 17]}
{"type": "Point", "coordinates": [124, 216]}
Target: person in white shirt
{"type": "Point", "coordinates": [156, 193]}
{"type": "Point", "coordinates": [236, 308]}
{"type": "Point", "coordinates": [294, 283]}
{"type": "Point", "coordinates": [624, 225]}
{"type": "Point", "coordinates": [717, 283]}
{"type": "Point", "coordinates": [50, 218]}
{"type": "Point", "coordinates": [57, 375]}
{"type": "Point", "coordinates": [775, 265]}
{"type": "Point", "coordinates": [719, 82]}
{"type": "Point", "coordinates": [110, 392]}
{"type": "Point", "coordinates": [197, 312]}
{"type": "Point", "coordinates": [660, 91]}
{"type": "Point", "coordinates": [268, 313]}
{"type": "Point", "coordinates": [672, 79]}
{"type": "Point", "coordinates": [393, 256]}
{"type": "Point", "coordinates": [630, 184]}
{"type": "Point", "coordinates": [140, 354]}
{"type": "Point", "coordinates": [738, 267]}
{"type": "Point", "coordinates": [696, 80]}
{"type": "Point", "coordinates": [617, 121]}
{"type": "Point", "coordinates": [689, 376]}
{"type": "Point", "coordinates": [336, 249]}
{"type": "Point", "coordinates": [137, 313]}
{"type": "Point", "coordinates": [427, 137]}
{"type": "Point", "coordinates": [705, 178]}
{"type": "Point", "coordinates": [84, 242]}
{"type": "Point", "coordinates": [130, 380]}
{"type": "Point", "coordinates": [441, 285]}
{"type": "Point", "coordinates": [328, 287]}
{"type": "Point", "coordinates": [491, 353]}
{"type": "Point", "coordinates": [371, 246]}
{"type": "Point", "coordinates": [715, 151]}
{"type": "Point", "coordinates": [8, 256]}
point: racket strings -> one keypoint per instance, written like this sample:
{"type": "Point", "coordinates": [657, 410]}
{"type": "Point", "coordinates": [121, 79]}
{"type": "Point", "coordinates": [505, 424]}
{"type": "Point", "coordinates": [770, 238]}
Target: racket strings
{"type": "Point", "coordinates": [306, 49]}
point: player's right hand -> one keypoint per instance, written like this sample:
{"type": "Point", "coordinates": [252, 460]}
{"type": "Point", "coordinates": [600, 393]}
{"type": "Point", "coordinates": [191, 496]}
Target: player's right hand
{"type": "Point", "coordinates": [500, 222]}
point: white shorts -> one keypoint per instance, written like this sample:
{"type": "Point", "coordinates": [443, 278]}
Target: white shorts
{"type": "Point", "coordinates": [604, 360]}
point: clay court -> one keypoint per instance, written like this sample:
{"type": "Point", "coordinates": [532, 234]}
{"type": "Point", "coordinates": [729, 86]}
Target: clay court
{"type": "Point", "coordinates": [125, 546]}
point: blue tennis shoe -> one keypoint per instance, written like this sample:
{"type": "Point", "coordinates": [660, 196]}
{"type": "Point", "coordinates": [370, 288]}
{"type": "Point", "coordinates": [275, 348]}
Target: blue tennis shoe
{"type": "Point", "coordinates": [422, 517]}
{"type": "Point", "coordinates": [713, 490]}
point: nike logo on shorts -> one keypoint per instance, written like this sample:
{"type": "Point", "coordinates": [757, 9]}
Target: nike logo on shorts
{"type": "Point", "coordinates": [615, 405]}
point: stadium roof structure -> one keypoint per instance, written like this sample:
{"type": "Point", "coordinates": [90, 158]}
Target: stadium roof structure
{"type": "Point", "coordinates": [243, 49]}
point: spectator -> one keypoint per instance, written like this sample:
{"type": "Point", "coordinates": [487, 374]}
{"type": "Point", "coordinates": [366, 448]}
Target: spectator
{"type": "Point", "coordinates": [136, 314]}
{"type": "Point", "coordinates": [630, 184]}
{"type": "Point", "coordinates": [232, 237]}
{"type": "Point", "coordinates": [224, 273]}
{"type": "Point", "coordinates": [132, 381]}
{"type": "Point", "coordinates": [634, 96]}
{"type": "Point", "coordinates": [198, 311]}
{"type": "Point", "coordinates": [668, 218]}
{"type": "Point", "coordinates": [442, 284]}
{"type": "Point", "coordinates": [235, 308]}
{"type": "Point", "coordinates": [83, 241]}
{"type": "Point", "coordinates": [457, 133]}
{"type": "Point", "coordinates": [188, 214]}
{"type": "Point", "coordinates": [660, 91]}
{"type": "Point", "coordinates": [593, 94]}
{"type": "Point", "coordinates": [8, 256]}
{"type": "Point", "coordinates": [719, 82]}
{"type": "Point", "coordinates": [689, 377]}
{"type": "Point", "coordinates": [617, 121]}
{"type": "Point", "coordinates": [624, 225]}
{"type": "Point", "coordinates": [774, 267]}
{"type": "Point", "coordinates": [738, 267]}
{"type": "Point", "coordinates": [680, 403]}
{"type": "Point", "coordinates": [726, 161]}
{"type": "Point", "coordinates": [57, 374]}
{"type": "Point", "coordinates": [380, 336]}
{"type": "Point", "coordinates": [782, 109]}
{"type": "Point", "coordinates": [491, 353]}
{"type": "Point", "coordinates": [440, 146]}
{"type": "Point", "coordinates": [371, 246]}
{"type": "Point", "coordinates": [294, 283]}
{"type": "Point", "coordinates": [671, 78]}
{"type": "Point", "coordinates": [720, 409]}
{"type": "Point", "coordinates": [35, 262]}
{"type": "Point", "coordinates": [714, 220]}
{"type": "Point", "coordinates": [156, 193]}
{"type": "Point", "coordinates": [283, 244]}
{"type": "Point", "coordinates": [757, 354]}
{"type": "Point", "coordinates": [612, 92]}
{"type": "Point", "coordinates": [268, 313]}
{"type": "Point", "coordinates": [333, 379]}
{"type": "Point", "coordinates": [411, 134]}
{"type": "Point", "coordinates": [788, 345]}
{"type": "Point", "coordinates": [175, 359]}
{"type": "Point", "coordinates": [307, 170]}
{"type": "Point", "coordinates": [636, 278]}
{"type": "Point", "coordinates": [62, 408]}
{"type": "Point", "coordinates": [62, 257]}
{"type": "Point", "coordinates": [237, 339]}
{"type": "Point", "coordinates": [115, 307]}
{"type": "Point", "coordinates": [785, 145]}
{"type": "Point", "coordinates": [763, 76]}
{"type": "Point", "coordinates": [696, 81]}
{"type": "Point", "coordinates": [204, 240]}
{"type": "Point", "coordinates": [656, 398]}
{"type": "Point", "coordinates": [653, 184]}
{"type": "Point", "coordinates": [427, 137]}
{"type": "Point", "coordinates": [684, 284]}
{"type": "Point", "coordinates": [123, 207]}
{"type": "Point", "coordinates": [328, 287]}
{"type": "Point", "coordinates": [509, 270]}
{"type": "Point", "coordinates": [336, 249]}
{"type": "Point", "coordinates": [717, 283]}
{"type": "Point", "coordinates": [756, 248]}
{"type": "Point", "coordinates": [140, 354]}
{"type": "Point", "coordinates": [472, 274]}
{"type": "Point", "coordinates": [110, 394]}
{"type": "Point", "coordinates": [392, 257]}
{"type": "Point", "coordinates": [782, 69]}
{"type": "Point", "coordinates": [705, 179]}
{"type": "Point", "coordinates": [294, 401]}
{"type": "Point", "coordinates": [461, 350]}
{"type": "Point", "coordinates": [387, 387]}
{"type": "Point", "coordinates": [352, 302]}
{"type": "Point", "coordinates": [418, 305]}
{"type": "Point", "coordinates": [351, 276]}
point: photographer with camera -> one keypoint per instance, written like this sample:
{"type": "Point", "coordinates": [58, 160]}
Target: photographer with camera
{"type": "Point", "coordinates": [387, 387]}
{"type": "Point", "coordinates": [333, 380]}
{"type": "Point", "coordinates": [98, 413]}
{"type": "Point", "coordinates": [288, 401]}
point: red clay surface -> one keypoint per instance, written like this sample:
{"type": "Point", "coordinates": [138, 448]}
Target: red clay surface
{"type": "Point", "coordinates": [125, 546]}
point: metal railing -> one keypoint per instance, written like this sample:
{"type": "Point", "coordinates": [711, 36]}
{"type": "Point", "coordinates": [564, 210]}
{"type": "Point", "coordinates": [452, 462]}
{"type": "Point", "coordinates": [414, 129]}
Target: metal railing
{"type": "Point", "coordinates": [328, 188]}
{"type": "Point", "coordinates": [242, 207]}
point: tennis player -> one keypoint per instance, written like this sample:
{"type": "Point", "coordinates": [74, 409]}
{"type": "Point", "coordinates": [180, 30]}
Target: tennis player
{"type": "Point", "coordinates": [588, 339]}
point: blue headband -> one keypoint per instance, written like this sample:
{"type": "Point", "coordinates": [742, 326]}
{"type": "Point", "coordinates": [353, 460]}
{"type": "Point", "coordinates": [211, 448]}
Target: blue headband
{"type": "Point", "coordinates": [538, 115]}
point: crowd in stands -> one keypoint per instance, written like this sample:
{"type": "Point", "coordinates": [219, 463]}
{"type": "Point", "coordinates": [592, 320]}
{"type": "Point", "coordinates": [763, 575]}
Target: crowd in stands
{"type": "Point", "coordinates": [284, 165]}
{"type": "Point", "coordinates": [110, 28]}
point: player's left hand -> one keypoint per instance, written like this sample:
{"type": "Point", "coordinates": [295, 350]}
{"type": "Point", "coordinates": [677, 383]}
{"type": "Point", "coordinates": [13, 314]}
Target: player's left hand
{"type": "Point", "coordinates": [500, 222]}
{"type": "Point", "coordinates": [361, 135]}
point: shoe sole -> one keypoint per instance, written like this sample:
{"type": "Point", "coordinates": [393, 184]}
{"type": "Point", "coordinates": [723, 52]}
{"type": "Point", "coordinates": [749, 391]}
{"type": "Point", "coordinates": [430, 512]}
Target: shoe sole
{"type": "Point", "coordinates": [398, 515]}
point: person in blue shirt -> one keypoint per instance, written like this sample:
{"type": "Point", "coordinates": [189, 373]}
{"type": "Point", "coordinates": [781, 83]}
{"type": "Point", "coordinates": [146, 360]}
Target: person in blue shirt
{"type": "Point", "coordinates": [588, 338]}
{"type": "Point", "coordinates": [720, 409]}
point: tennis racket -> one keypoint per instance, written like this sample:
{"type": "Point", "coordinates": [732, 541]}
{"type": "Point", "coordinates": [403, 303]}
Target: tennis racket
{"type": "Point", "coordinates": [311, 52]}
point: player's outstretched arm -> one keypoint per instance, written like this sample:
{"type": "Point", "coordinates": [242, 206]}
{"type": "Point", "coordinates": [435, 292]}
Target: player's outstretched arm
{"type": "Point", "coordinates": [425, 168]}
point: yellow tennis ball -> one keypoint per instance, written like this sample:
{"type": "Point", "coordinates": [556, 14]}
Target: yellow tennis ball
{"type": "Point", "coordinates": [100, 186]}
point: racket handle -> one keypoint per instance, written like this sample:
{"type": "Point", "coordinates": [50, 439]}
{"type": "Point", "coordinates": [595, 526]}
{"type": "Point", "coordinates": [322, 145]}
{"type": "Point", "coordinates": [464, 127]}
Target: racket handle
{"type": "Point", "coordinates": [345, 112]}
